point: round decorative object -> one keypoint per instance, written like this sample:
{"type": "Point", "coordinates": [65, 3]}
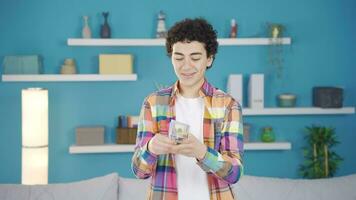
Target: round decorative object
{"type": "Point", "coordinates": [286, 100]}
{"type": "Point", "coordinates": [68, 69]}
{"type": "Point", "coordinates": [69, 66]}
{"type": "Point", "coordinates": [267, 134]}
{"type": "Point", "coordinates": [69, 61]}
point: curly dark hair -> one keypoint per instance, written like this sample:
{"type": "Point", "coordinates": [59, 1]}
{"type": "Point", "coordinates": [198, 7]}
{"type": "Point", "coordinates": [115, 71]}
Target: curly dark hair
{"type": "Point", "coordinates": [188, 30]}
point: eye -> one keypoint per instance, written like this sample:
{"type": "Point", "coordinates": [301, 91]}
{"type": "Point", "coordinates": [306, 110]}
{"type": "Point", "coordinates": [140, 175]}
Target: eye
{"type": "Point", "coordinates": [196, 58]}
{"type": "Point", "coordinates": [178, 58]}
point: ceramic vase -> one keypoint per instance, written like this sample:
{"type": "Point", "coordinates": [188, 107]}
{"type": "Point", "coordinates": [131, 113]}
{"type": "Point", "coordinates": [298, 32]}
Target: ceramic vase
{"type": "Point", "coordinates": [86, 32]}
{"type": "Point", "coordinates": [105, 31]}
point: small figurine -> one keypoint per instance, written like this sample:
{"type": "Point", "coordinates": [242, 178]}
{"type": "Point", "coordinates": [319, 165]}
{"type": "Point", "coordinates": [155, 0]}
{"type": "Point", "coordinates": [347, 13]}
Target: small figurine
{"type": "Point", "coordinates": [233, 31]}
{"type": "Point", "coordinates": [105, 28]}
{"type": "Point", "coordinates": [161, 26]}
{"type": "Point", "coordinates": [86, 32]}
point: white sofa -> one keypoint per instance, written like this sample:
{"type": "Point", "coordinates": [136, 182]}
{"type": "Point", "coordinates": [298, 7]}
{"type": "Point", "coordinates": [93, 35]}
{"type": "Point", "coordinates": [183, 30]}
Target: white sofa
{"type": "Point", "coordinates": [113, 187]}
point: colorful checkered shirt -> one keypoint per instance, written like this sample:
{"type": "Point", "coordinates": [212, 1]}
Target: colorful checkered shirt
{"type": "Point", "coordinates": [223, 136]}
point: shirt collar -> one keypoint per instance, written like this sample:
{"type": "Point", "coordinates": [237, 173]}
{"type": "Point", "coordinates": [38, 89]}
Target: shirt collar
{"type": "Point", "coordinates": [206, 90]}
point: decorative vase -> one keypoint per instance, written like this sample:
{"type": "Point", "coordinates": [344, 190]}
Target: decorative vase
{"type": "Point", "coordinates": [161, 31]}
{"type": "Point", "coordinates": [86, 32]}
{"type": "Point", "coordinates": [105, 31]}
{"type": "Point", "coordinates": [267, 134]}
{"type": "Point", "coordinates": [233, 29]}
{"type": "Point", "coordinates": [69, 66]}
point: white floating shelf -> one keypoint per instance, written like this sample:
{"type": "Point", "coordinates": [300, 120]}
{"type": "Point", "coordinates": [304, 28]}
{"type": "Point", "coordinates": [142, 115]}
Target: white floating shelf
{"type": "Point", "coordinates": [115, 42]}
{"type": "Point", "coordinates": [74, 77]}
{"type": "Point", "coordinates": [106, 148]}
{"type": "Point", "coordinates": [253, 41]}
{"type": "Point", "coordinates": [162, 42]}
{"type": "Point", "coordinates": [122, 148]}
{"type": "Point", "coordinates": [268, 146]}
{"type": "Point", "coordinates": [298, 111]}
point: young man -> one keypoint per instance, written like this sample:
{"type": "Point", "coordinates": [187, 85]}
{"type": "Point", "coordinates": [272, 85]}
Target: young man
{"type": "Point", "coordinates": [204, 165]}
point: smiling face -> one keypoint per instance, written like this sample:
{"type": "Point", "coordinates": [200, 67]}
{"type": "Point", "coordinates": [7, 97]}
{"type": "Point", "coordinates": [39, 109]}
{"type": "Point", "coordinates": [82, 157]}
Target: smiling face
{"type": "Point", "coordinates": [190, 62]}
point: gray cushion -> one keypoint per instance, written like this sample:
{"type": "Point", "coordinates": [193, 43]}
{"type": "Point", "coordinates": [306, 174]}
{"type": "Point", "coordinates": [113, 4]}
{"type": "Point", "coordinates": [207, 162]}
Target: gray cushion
{"type": "Point", "coordinates": [100, 188]}
{"type": "Point", "coordinates": [133, 189]}
{"type": "Point", "coordinates": [256, 188]}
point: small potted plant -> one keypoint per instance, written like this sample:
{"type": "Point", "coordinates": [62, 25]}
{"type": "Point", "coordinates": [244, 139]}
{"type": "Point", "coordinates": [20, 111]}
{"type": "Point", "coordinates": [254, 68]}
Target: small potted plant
{"type": "Point", "coordinates": [275, 54]}
{"type": "Point", "coordinates": [320, 160]}
{"type": "Point", "coordinates": [275, 30]}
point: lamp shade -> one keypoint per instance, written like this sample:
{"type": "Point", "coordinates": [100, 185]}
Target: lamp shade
{"type": "Point", "coordinates": [34, 136]}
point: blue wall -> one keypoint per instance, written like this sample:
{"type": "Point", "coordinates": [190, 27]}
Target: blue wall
{"type": "Point", "coordinates": [322, 53]}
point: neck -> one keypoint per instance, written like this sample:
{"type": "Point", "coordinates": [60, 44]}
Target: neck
{"type": "Point", "coordinates": [190, 91]}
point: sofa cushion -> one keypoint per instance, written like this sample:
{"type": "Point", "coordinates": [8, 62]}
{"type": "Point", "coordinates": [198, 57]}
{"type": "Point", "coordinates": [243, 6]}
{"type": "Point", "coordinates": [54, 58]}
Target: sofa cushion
{"type": "Point", "coordinates": [132, 189]}
{"type": "Point", "coordinates": [99, 188]}
{"type": "Point", "coordinates": [255, 188]}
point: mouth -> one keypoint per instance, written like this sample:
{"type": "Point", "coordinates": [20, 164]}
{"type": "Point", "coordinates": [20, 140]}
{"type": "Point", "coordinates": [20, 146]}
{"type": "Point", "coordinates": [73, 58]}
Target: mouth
{"type": "Point", "coordinates": [188, 75]}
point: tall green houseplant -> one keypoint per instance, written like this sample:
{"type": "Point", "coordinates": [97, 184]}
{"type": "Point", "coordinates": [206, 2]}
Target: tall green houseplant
{"type": "Point", "coordinates": [320, 160]}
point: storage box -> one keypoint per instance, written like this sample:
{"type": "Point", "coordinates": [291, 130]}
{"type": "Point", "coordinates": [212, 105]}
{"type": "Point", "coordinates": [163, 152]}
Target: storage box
{"type": "Point", "coordinates": [256, 91]}
{"type": "Point", "coordinates": [126, 135]}
{"type": "Point", "coordinates": [30, 64]}
{"type": "Point", "coordinates": [234, 87]}
{"type": "Point", "coordinates": [328, 97]}
{"type": "Point", "coordinates": [90, 135]}
{"type": "Point", "coordinates": [115, 64]}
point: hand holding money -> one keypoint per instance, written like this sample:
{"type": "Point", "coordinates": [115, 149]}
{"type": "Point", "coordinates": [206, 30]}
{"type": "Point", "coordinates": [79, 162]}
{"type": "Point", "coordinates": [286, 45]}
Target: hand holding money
{"type": "Point", "coordinates": [179, 141]}
{"type": "Point", "coordinates": [189, 145]}
{"type": "Point", "coordinates": [160, 144]}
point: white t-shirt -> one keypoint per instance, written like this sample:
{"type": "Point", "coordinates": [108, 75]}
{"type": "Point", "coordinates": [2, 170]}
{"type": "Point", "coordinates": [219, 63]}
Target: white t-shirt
{"type": "Point", "coordinates": [192, 181]}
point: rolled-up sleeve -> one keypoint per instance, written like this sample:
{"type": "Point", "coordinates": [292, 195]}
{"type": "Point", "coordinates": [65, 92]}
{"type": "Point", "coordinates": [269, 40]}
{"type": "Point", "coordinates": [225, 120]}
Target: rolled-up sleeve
{"type": "Point", "coordinates": [144, 161]}
{"type": "Point", "coordinates": [226, 162]}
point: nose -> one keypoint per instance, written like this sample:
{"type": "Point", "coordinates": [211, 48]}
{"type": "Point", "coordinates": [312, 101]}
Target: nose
{"type": "Point", "coordinates": [187, 64]}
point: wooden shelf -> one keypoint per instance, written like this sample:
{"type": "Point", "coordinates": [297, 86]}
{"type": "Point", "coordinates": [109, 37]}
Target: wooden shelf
{"type": "Point", "coordinates": [68, 78]}
{"type": "Point", "coordinates": [161, 42]}
{"type": "Point", "coordinates": [122, 148]}
{"type": "Point", "coordinates": [298, 111]}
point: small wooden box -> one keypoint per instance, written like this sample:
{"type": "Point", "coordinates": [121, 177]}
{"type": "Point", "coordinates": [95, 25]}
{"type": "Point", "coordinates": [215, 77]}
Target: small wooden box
{"type": "Point", "coordinates": [126, 135]}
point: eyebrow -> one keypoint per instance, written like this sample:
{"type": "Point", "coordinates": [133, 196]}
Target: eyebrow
{"type": "Point", "coordinates": [192, 54]}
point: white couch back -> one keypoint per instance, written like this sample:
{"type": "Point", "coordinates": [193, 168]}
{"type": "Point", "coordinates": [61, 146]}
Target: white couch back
{"type": "Point", "coordinates": [112, 187]}
{"type": "Point", "coordinates": [261, 188]}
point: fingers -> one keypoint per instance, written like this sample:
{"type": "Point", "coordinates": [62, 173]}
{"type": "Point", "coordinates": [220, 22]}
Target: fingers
{"type": "Point", "coordinates": [161, 144]}
{"type": "Point", "coordinates": [162, 149]}
{"type": "Point", "coordinates": [183, 148]}
{"type": "Point", "coordinates": [191, 139]}
{"type": "Point", "coordinates": [165, 139]}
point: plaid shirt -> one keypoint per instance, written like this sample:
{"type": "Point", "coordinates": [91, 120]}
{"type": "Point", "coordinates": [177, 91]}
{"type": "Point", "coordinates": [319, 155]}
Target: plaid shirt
{"type": "Point", "coordinates": [223, 135]}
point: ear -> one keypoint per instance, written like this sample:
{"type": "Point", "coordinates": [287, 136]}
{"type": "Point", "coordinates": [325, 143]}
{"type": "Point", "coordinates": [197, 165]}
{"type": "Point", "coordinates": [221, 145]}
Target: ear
{"type": "Point", "coordinates": [210, 61]}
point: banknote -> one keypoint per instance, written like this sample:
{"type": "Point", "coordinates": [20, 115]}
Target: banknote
{"type": "Point", "coordinates": [178, 131]}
